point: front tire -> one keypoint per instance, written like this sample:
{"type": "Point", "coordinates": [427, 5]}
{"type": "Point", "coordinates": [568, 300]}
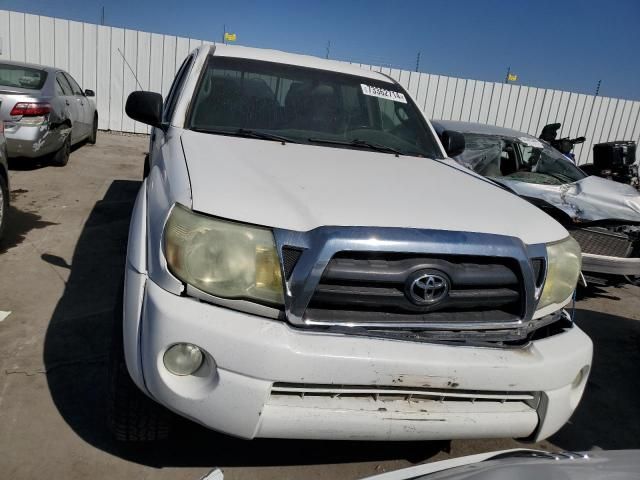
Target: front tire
{"type": "Point", "coordinates": [4, 204]}
{"type": "Point", "coordinates": [61, 157]}
{"type": "Point", "coordinates": [94, 131]}
{"type": "Point", "coordinates": [633, 279]}
{"type": "Point", "coordinates": [131, 416]}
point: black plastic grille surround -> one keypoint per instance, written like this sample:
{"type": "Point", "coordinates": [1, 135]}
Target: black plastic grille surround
{"type": "Point", "coordinates": [290, 256]}
{"type": "Point", "coordinates": [372, 286]}
{"type": "Point", "coordinates": [538, 265]}
{"type": "Point", "coordinates": [601, 241]}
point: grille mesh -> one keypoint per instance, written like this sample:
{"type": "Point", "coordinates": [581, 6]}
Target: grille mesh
{"type": "Point", "coordinates": [398, 393]}
{"type": "Point", "coordinates": [600, 241]}
{"type": "Point", "coordinates": [538, 270]}
{"type": "Point", "coordinates": [290, 257]}
{"type": "Point", "coordinates": [372, 287]}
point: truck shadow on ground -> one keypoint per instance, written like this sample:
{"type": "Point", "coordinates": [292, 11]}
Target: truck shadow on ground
{"type": "Point", "coordinates": [77, 348]}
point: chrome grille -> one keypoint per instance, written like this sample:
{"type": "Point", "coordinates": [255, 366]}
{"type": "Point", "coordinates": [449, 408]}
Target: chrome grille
{"type": "Point", "coordinates": [371, 287]}
{"type": "Point", "coordinates": [349, 280]}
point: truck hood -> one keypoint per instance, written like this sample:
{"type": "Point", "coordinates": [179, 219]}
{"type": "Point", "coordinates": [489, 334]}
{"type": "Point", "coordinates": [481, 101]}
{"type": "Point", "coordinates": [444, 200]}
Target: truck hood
{"type": "Point", "coordinates": [301, 187]}
{"type": "Point", "coordinates": [587, 200]}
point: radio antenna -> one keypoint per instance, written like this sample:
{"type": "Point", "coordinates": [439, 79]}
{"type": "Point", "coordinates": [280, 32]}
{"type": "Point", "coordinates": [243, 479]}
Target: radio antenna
{"type": "Point", "coordinates": [132, 72]}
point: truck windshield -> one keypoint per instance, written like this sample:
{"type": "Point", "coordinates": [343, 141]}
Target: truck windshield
{"type": "Point", "coordinates": [274, 101]}
{"type": "Point", "coordinates": [21, 77]}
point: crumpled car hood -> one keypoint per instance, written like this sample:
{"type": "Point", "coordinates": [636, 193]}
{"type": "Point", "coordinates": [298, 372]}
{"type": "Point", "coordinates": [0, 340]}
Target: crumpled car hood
{"type": "Point", "coordinates": [587, 200]}
{"type": "Point", "coordinates": [526, 464]}
{"type": "Point", "coordinates": [301, 187]}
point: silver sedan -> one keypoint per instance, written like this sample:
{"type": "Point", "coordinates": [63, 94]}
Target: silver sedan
{"type": "Point", "coordinates": [44, 111]}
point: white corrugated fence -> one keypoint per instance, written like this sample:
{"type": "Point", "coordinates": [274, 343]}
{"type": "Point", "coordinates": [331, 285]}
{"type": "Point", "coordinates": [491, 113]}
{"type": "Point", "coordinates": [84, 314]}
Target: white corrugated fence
{"type": "Point", "coordinates": [95, 56]}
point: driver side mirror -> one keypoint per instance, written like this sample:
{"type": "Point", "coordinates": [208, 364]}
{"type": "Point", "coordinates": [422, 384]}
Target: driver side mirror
{"type": "Point", "coordinates": [453, 142]}
{"type": "Point", "coordinates": [145, 107]}
{"type": "Point", "coordinates": [89, 93]}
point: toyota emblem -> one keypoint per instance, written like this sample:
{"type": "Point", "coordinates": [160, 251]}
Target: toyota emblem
{"type": "Point", "coordinates": [427, 288]}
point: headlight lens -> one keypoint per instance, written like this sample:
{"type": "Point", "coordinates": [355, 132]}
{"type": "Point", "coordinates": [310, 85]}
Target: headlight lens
{"type": "Point", "coordinates": [564, 261]}
{"type": "Point", "coordinates": [223, 258]}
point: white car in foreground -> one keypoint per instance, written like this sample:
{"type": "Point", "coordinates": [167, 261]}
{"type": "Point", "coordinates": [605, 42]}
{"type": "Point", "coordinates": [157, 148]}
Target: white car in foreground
{"type": "Point", "coordinates": [304, 261]}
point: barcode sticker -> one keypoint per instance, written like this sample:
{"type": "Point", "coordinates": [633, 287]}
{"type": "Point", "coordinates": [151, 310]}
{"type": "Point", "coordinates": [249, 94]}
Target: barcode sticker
{"type": "Point", "coordinates": [382, 93]}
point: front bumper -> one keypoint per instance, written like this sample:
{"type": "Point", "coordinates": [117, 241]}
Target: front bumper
{"type": "Point", "coordinates": [255, 357]}
{"type": "Point", "coordinates": [610, 265]}
{"type": "Point", "coordinates": [31, 141]}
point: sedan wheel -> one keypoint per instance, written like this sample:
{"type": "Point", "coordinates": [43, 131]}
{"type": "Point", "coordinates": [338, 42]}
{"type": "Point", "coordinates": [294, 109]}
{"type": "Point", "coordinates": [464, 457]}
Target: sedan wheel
{"type": "Point", "coordinates": [61, 157]}
{"type": "Point", "coordinates": [94, 132]}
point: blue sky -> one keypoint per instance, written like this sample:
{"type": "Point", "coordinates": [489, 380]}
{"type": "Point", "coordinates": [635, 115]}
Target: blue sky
{"type": "Point", "coordinates": [567, 45]}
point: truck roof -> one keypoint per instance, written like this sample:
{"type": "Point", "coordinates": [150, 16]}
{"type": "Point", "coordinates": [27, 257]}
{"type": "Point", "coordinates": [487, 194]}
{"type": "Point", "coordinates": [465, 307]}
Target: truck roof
{"type": "Point", "coordinates": [277, 56]}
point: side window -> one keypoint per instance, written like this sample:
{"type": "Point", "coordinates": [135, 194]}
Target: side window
{"type": "Point", "coordinates": [63, 84]}
{"type": "Point", "coordinates": [508, 159]}
{"type": "Point", "coordinates": [527, 156]}
{"type": "Point", "coordinates": [59, 89]}
{"type": "Point", "coordinates": [74, 85]}
{"type": "Point", "coordinates": [176, 87]}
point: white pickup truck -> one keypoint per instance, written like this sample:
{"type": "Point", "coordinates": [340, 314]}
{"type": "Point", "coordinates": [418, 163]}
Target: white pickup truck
{"type": "Point", "coordinates": [305, 261]}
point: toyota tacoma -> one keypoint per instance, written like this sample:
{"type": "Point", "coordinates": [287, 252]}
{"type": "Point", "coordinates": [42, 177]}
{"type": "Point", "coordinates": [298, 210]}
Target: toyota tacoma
{"type": "Point", "coordinates": [306, 261]}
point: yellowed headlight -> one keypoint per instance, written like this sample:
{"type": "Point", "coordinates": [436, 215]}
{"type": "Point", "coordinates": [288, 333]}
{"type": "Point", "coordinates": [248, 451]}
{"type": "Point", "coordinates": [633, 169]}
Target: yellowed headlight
{"type": "Point", "coordinates": [222, 258]}
{"type": "Point", "coordinates": [564, 260]}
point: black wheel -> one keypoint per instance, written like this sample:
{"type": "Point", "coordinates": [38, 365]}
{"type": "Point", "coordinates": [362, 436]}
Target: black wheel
{"type": "Point", "coordinates": [94, 132]}
{"type": "Point", "coordinates": [61, 157]}
{"type": "Point", "coordinates": [633, 279]}
{"type": "Point", "coordinates": [4, 204]}
{"type": "Point", "coordinates": [146, 169]}
{"type": "Point", "coordinates": [131, 415]}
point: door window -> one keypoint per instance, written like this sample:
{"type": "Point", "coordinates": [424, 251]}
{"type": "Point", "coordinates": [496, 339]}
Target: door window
{"type": "Point", "coordinates": [63, 84]}
{"type": "Point", "coordinates": [74, 85]}
{"type": "Point", "coordinates": [59, 89]}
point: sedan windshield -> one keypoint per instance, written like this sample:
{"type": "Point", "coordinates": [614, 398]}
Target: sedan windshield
{"type": "Point", "coordinates": [525, 159]}
{"type": "Point", "coordinates": [21, 77]}
{"type": "Point", "coordinates": [275, 101]}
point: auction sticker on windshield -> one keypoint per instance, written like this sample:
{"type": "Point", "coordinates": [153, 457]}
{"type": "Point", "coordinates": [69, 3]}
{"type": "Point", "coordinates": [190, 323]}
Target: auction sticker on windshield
{"type": "Point", "coordinates": [382, 93]}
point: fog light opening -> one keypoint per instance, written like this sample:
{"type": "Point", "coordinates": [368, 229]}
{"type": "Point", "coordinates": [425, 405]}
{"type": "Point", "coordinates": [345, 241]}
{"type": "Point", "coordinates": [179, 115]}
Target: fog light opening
{"type": "Point", "coordinates": [183, 359]}
{"type": "Point", "coordinates": [582, 374]}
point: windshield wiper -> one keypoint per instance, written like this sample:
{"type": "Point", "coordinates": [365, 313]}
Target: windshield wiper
{"type": "Point", "coordinates": [358, 144]}
{"type": "Point", "coordinates": [246, 132]}
{"type": "Point", "coordinates": [263, 135]}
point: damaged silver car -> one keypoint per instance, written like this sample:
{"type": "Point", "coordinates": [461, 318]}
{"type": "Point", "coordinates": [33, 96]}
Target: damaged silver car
{"type": "Point", "coordinates": [602, 215]}
{"type": "Point", "coordinates": [44, 111]}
